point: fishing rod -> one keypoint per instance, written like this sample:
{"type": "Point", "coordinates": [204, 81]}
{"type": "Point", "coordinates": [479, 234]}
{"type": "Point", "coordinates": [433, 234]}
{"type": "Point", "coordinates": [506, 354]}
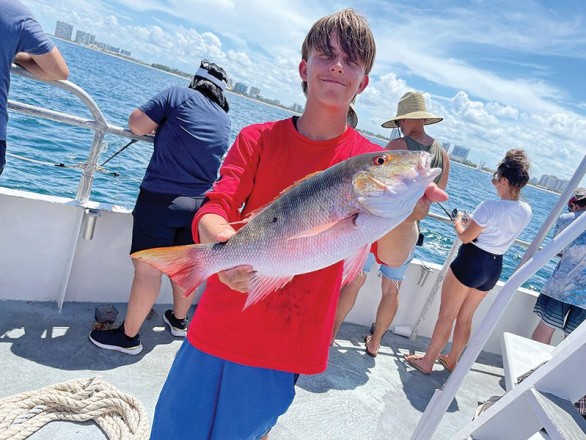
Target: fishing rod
{"type": "Point", "coordinates": [451, 215]}
{"type": "Point", "coordinates": [132, 141]}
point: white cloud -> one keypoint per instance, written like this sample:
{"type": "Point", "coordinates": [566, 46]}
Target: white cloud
{"type": "Point", "coordinates": [484, 66]}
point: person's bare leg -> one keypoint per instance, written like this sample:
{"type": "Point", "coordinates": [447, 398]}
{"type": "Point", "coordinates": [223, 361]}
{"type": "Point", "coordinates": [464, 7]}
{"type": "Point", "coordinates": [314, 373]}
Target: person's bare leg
{"type": "Point", "coordinates": [348, 295]}
{"type": "Point", "coordinates": [463, 326]}
{"type": "Point", "coordinates": [143, 294]}
{"type": "Point", "coordinates": [543, 333]}
{"type": "Point", "coordinates": [385, 313]}
{"type": "Point", "coordinates": [181, 303]}
{"type": "Point", "coordinates": [453, 296]}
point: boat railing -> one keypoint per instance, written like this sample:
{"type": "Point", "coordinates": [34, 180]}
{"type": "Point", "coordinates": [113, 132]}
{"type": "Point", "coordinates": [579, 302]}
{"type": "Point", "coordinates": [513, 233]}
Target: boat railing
{"type": "Point", "coordinates": [99, 125]}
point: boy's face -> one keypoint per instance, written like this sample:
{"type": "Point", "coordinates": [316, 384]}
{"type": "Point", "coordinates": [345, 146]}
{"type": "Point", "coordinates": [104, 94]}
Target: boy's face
{"type": "Point", "coordinates": [333, 78]}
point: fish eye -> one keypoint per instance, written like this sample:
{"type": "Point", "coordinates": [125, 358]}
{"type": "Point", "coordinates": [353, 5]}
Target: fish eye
{"type": "Point", "coordinates": [380, 160]}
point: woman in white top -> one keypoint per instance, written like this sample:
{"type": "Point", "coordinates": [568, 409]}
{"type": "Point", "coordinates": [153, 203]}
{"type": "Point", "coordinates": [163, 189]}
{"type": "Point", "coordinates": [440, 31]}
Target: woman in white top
{"type": "Point", "coordinates": [494, 226]}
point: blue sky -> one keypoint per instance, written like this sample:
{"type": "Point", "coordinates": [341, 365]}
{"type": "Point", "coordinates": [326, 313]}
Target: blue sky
{"type": "Point", "coordinates": [502, 74]}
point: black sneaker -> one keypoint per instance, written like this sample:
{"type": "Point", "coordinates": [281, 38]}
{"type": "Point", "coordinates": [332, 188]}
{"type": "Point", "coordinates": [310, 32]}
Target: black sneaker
{"type": "Point", "coordinates": [178, 327]}
{"type": "Point", "coordinates": [116, 340]}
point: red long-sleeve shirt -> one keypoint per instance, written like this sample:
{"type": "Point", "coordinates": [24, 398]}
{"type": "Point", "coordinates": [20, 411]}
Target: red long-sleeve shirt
{"type": "Point", "coordinates": [290, 329]}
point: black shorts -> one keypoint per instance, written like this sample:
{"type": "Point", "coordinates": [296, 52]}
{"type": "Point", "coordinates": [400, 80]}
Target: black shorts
{"type": "Point", "coordinates": [477, 268]}
{"type": "Point", "coordinates": [162, 220]}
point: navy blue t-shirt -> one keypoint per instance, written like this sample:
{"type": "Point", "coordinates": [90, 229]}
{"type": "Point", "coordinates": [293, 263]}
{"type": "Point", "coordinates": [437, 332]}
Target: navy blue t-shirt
{"type": "Point", "coordinates": [19, 32]}
{"type": "Point", "coordinates": [190, 142]}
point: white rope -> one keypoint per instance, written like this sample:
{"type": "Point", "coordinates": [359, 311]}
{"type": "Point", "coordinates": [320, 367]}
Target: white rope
{"type": "Point", "coordinates": [119, 415]}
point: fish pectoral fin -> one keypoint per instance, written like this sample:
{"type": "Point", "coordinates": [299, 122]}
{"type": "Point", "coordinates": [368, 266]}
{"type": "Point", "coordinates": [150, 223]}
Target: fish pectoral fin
{"type": "Point", "coordinates": [354, 264]}
{"type": "Point", "coordinates": [342, 223]}
{"type": "Point", "coordinates": [262, 285]}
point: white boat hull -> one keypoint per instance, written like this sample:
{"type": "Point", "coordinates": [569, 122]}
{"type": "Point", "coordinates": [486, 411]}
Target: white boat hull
{"type": "Point", "coordinates": [39, 234]}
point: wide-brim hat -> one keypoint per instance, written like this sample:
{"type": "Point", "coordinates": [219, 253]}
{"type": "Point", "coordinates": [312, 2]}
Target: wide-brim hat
{"type": "Point", "coordinates": [352, 117]}
{"type": "Point", "coordinates": [412, 106]}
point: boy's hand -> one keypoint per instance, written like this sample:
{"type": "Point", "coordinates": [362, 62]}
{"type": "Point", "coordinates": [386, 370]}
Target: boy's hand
{"type": "Point", "coordinates": [237, 278]}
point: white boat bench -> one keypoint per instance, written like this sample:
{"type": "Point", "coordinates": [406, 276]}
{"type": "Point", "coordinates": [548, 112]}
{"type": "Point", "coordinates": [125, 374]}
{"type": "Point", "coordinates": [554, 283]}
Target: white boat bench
{"type": "Point", "coordinates": [544, 399]}
{"type": "Point", "coordinates": [521, 355]}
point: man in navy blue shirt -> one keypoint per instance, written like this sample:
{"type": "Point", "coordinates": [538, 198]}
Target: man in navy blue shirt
{"type": "Point", "coordinates": [192, 130]}
{"type": "Point", "coordinates": [23, 42]}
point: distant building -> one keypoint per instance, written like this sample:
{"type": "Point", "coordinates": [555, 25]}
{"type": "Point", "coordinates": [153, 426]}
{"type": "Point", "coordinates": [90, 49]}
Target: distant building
{"type": "Point", "coordinates": [553, 183]}
{"type": "Point", "coordinates": [63, 30]}
{"type": "Point", "coordinates": [254, 91]}
{"type": "Point", "coordinates": [86, 38]}
{"type": "Point", "coordinates": [240, 88]}
{"type": "Point", "coordinates": [126, 53]}
{"type": "Point", "coordinates": [297, 108]}
{"type": "Point", "coordinates": [460, 153]}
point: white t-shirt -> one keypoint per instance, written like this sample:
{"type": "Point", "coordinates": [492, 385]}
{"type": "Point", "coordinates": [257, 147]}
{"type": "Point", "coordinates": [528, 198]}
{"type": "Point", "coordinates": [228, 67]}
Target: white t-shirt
{"type": "Point", "coordinates": [502, 221]}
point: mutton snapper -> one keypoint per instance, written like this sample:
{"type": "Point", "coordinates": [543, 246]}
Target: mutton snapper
{"type": "Point", "coordinates": [327, 217]}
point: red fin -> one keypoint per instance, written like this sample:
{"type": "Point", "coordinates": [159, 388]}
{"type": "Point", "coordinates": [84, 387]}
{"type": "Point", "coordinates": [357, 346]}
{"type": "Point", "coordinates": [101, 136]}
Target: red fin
{"type": "Point", "coordinates": [261, 286]}
{"type": "Point", "coordinates": [353, 264]}
{"type": "Point", "coordinates": [188, 266]}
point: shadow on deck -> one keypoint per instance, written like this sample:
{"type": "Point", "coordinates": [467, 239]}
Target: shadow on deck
{"type": "Point", "coordinates": [358, 397]}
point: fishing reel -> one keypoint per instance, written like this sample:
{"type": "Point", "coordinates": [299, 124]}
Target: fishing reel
{"type": "Point", "coordinates": [465, 218]}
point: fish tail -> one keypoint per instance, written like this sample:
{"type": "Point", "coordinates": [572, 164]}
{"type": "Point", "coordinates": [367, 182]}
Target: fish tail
{"type": "Point", "coordinates": [188, 266]}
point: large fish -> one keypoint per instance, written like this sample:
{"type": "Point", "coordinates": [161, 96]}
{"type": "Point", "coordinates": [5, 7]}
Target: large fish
{"type": "Point", "coordinates": [327, 217]}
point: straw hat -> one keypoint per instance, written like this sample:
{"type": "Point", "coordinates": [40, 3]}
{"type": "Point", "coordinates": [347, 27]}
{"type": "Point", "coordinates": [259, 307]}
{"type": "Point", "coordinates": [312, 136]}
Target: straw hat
{"type": "Point", "coordinates": [352, 117]}
{"type": "Point", "coordinates": [412, 106]}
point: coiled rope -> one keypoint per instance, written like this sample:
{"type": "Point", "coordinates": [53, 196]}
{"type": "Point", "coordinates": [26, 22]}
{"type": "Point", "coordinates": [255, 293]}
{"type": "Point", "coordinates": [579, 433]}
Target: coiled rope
{"type": "Point", "coordinates": [119, 415]}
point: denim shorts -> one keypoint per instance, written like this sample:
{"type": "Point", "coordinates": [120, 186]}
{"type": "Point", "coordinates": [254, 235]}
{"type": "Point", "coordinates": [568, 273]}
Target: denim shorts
{"type": "Point", "coordinates": [558, 314]}
{"type": "Point", "coordinates": [205, 397]}
{"type": "Point", "coordinates": [392, 273]}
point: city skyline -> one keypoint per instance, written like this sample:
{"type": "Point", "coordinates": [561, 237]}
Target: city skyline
{"type": "Point", "coordinates": [503, 75]}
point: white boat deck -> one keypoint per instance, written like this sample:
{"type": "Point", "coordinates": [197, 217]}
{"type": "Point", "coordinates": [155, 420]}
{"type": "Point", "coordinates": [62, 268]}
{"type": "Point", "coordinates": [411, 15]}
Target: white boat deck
{"type": "Point", "coordinates": [358, 397]}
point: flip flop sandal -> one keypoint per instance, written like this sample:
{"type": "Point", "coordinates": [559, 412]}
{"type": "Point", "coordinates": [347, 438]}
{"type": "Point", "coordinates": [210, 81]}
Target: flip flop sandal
{"type": "Point", "coordinates": [442, 360]}
{"type": "Point", "coordinates": [368, 352]}
{"type": "Point", "coordinates": [414, 365]}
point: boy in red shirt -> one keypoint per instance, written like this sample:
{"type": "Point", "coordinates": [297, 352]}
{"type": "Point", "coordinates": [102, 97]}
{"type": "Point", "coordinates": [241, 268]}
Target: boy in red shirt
{"type": "Point", "coordinates": [235, 374]}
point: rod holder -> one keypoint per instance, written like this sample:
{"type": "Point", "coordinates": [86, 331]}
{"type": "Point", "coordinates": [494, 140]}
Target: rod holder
{"type": "Point", "coordinates": [88, 225]}
{"type": "Point", "coordinates": [425, 271]}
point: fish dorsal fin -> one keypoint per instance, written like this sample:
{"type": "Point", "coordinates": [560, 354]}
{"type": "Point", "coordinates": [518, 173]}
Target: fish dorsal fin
{"type": "Point", "coordinates": [303, 179]}
{"type": "Point", "coordinates": [263, 285]}
{"type": "Point", "coordinates": [354, 264]}
{"type": "Point", "coordinates": [257, 211]}
{"type": "Point", "coordinates": [340, 226]}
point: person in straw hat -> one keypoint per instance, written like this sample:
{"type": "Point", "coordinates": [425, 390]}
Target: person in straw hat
{"type": "Point", "coordinates": [411, 118]}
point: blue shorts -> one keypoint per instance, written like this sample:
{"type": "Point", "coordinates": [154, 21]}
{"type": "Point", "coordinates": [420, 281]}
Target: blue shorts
{"type": "Point", "coordinates": [205, 397]}
{"type": "Point", "coordinates": [162, 220]}
{"type": "Point", "coordinates": [392, 273]}
{"type": "Point", "coordinates": [477, 268]}
{"type": "Point", "coordinates": [558, 314]}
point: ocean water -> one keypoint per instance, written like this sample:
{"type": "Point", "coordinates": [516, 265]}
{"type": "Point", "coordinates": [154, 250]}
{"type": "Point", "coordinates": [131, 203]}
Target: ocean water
{"type": "Point", "coordinates": [119, 86]}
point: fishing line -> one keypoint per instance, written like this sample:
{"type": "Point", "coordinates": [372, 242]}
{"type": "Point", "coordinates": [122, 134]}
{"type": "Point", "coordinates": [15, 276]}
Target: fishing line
{"type": "Point", "coordinates": [132, 141]}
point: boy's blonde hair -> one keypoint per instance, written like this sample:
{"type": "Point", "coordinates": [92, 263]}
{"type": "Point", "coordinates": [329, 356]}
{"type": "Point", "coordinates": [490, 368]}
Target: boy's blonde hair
{"type": "Point", "coordinates": [354, 37]}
